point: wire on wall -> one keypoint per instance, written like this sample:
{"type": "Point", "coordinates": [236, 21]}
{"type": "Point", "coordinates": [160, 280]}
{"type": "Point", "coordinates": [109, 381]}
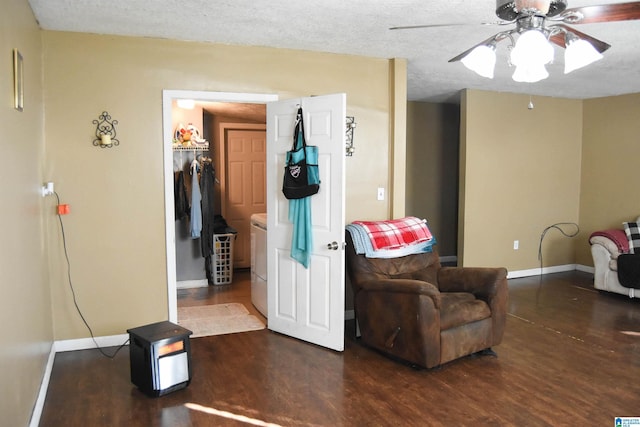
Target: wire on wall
{"type": "Point", "coordinates": [73, 292]}
{"type": "Point", "coordinates": [558, 226]}
{"type": "Point", "coordinates": [572, 232]}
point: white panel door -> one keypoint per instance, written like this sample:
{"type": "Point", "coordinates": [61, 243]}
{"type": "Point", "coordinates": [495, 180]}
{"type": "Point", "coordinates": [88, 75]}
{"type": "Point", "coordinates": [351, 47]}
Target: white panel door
{"type": "Point", "coordinates": [245, 185]}
{"type": "Point", "coordinates": [308, 304]}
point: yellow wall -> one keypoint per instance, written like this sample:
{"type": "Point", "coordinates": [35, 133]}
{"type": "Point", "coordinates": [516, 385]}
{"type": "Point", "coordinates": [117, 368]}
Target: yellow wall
{"type": "Point", "coordinates": [115, 232]}
{"type": "Point", "coordinates": [603, 137]}
{"type": "Point", "coordinates": [432, 169]}
{"type": "Point", "coordinates": [396, 192]}
{"type": "Point", "coordinates": [611, 149]}
{"type": "Point", "coordinates": [521, 171]}
{"type": "Point", "coordinates": [25, 307]}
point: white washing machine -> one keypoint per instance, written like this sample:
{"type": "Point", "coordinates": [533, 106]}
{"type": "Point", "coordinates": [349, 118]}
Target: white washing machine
{"type": "Point", "coordinates": [259, 262]}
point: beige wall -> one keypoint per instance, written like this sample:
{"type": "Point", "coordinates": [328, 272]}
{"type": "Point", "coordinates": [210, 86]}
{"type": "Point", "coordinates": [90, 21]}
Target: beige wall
{"type": "Point", "coordinates": [396, 192]}
{"type": "Point", "coordinates": [611, 149]}
{"type": "Point", "coordinates": [115, 232]}
{"type": "Point", "coordinates": [25, 307]}
{"type": "Point", "coordinates": [432, 169]}
{"type": "Point", "coordinates": [607, 132]}
{"type": "Point", "coordinates": [521, 172]}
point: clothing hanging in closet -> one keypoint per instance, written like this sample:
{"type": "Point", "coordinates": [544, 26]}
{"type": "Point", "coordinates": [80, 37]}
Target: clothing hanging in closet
{"type": "Point", "coordinates": [200, 212]}
{"type": "Point", "coordinates": [181, 200]}
{"type": "Point", "coordinates": [207, 184]}
{"type": "Point", "coordinates": [196, 209]}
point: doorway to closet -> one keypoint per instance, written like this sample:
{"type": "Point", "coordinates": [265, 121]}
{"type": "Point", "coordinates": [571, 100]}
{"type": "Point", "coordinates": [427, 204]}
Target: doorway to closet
{"type": "Point", "coordinates": [227, 119]}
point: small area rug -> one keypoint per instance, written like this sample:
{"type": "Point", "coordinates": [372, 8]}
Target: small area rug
{"type": "Point", "coordinates": [218, 319]}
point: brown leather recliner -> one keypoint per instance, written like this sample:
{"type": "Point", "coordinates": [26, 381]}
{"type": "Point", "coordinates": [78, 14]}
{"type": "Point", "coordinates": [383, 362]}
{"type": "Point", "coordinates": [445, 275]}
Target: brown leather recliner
{"type": "Point", "coordinates": [413, 309]}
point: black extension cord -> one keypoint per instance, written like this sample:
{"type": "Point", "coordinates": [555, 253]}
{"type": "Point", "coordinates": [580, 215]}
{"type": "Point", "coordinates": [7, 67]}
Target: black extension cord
{"type": "Point", "coordinates": [73, 292]}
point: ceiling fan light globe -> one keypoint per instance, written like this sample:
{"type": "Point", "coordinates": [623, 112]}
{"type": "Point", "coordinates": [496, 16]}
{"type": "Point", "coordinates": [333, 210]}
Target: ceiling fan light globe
{"type": "Point", "coordinates": [532, 48]}
{"type": "Point", "coordinates": [481, 60]}
{"type": "Point", "coordinates": [530, 73]}
{"type": "Point", "coordinates": [579, 53]}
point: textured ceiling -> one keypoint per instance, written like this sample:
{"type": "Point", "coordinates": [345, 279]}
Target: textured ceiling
{"type": "Point", "coordinates": [361, 27]}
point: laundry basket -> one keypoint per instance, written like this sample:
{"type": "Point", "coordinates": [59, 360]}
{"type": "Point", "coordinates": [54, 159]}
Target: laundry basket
{"type": "Point", "coordinates": [222, 259]}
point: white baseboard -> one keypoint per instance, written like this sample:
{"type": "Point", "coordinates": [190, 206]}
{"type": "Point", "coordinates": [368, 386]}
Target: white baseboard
{"type": "Point", "coordinates": [87, 343]}
{"type": "Point", "coordinates": [585, 268]}
{"type": "Point", "coordinates": [186, 284]}
{"type": "Point", "coordinates": [44, 386]}
{"type": "Point", "coordinates": [549, 270]}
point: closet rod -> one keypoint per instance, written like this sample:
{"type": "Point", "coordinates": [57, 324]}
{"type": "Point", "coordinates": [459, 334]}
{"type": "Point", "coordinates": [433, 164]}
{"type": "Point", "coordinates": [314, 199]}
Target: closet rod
{"type": "Point", "coordinates": [192, 148]}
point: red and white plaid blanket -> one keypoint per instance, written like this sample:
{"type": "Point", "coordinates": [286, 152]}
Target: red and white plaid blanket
{"type": "Point", "coordinates": [396, 233]}
{"type": "Point", "coordinates": [616, 236]}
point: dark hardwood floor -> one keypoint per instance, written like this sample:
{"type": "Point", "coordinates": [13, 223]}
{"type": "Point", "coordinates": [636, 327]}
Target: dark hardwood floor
{"type": "Point", "coordinates": [570, 356]}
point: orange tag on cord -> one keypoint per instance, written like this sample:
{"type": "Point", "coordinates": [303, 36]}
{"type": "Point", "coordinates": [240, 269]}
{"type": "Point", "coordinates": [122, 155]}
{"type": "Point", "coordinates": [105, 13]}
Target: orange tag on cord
{"type": "Point", "coordinates": [64, 209]}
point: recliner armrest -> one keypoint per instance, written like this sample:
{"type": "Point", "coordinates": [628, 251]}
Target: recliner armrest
{"type": "Point", "coordinates": [608, 244]}
{"type": "Point", "coordinates": [406, 286]}
{"type": "Point", "coordinates": [481, 281]}
{"type": "Point", "coordinates": [487, 284]}
{"type": "Point", "coordinates": [614, 240]}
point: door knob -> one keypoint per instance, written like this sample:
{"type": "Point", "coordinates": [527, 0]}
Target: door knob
{"type": "Point", "coordinates": [333, 246]}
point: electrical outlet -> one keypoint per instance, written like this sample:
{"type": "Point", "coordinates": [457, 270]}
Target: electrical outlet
{"type": "Point", "coordinates": [47, 189]}
{"type": "Point", "coordinates": [380, 193]}
{"type": "Point", "coordinates": [516, 245]}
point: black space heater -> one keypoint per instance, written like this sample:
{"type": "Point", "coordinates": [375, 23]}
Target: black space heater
{"type": "Point", "coordinates": [160, 358]}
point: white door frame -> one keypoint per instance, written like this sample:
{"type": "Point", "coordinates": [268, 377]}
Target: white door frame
{"type": "Point", "coordinates": [167, 136]}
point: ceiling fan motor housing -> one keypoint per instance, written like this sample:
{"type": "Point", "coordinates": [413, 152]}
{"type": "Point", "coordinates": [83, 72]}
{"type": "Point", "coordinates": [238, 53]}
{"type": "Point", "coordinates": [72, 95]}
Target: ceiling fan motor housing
{"type": "Point", "coordinates": [509, 10]}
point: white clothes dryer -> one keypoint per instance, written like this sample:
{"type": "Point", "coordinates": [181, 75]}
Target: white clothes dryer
{"type": "Point", "coordinates": [259, 262]}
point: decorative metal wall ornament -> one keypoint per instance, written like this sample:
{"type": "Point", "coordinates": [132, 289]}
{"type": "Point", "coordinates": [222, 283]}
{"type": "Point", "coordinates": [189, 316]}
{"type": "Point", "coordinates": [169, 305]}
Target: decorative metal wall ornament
{"type": "Point", "coordinates": [351, 125]}
{"type": "Point", "coordinates": [105, 131]}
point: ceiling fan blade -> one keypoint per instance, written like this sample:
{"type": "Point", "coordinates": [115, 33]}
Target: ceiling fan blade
{"type": "Point", "coordinates": [602, 13]}
{"type": "Point", "coordinates": [456, 24]}
{"type": "Point", "coordinates": [411, 27]}
{"type": "Point", "coordinates": [466, 52]}
{"type": "Point", "coordinates": [558, 38]}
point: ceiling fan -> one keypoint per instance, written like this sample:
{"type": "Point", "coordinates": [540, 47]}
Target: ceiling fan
{"type": "Point", "coordinates": [538, 23]}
